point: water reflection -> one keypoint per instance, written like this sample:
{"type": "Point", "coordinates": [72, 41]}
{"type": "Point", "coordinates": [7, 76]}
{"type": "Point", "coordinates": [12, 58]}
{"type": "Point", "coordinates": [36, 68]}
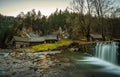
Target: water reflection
{"type": "Point", "coordinates": [43, 63]}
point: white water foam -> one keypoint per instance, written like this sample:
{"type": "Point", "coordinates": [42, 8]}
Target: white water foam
{"type": "Point", "coordinates": [106, 66]}
{"type": "Point", "coordinates": [107, 51]}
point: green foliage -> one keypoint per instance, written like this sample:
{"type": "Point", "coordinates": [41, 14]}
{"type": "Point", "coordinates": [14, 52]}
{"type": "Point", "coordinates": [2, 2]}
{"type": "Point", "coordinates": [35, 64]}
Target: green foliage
{"type": "Point", "coordinates": [43, 47]}
{"type": "Point", "coordinates": [6, 29]}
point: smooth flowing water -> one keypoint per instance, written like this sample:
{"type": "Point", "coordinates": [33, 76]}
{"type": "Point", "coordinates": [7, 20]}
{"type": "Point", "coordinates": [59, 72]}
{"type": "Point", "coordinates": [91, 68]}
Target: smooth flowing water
{"type": "Point", "coordinates": [96, 67]}
{"type": "Point", "coordinates": [104, 63]}
{"type": "Point", "coordinates": [107, 51]}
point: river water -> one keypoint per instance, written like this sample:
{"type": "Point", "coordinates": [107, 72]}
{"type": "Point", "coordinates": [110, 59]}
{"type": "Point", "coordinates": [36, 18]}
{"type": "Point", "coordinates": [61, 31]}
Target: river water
{"type": "Point", "coordinates": [107, 51]}
{"type": "Point", "coordinates": [96, 67]}
{"type": "Point", "coordinates": [100, 65]}
{"type": "Point", "coordinates": [105, 63]}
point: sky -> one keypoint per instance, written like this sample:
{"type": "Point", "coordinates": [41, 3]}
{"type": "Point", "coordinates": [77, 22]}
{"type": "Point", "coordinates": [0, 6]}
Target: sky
{"type": "Point", "coordinates": [14, 7]}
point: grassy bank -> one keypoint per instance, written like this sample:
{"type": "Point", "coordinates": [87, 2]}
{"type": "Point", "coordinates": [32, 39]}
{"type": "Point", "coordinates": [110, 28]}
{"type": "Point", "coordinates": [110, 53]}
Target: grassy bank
{"type": "Point", "coordinates": [50, 46]}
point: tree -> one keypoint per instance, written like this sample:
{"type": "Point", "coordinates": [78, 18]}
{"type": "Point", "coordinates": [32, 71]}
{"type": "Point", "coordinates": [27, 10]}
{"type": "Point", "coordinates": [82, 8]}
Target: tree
{"type": "Point", "coordinates": [6, 28]}
{"type": "Point", "coordinates": [57, 19]}
{"type": "Point", "coordinates": [102, 9]}
{"type": "Point", "coordinates": [89, 17]}
{"type": "Point", "coordinates": [84, 9]}
{"type": "Point", "coordinates": [114, 24]}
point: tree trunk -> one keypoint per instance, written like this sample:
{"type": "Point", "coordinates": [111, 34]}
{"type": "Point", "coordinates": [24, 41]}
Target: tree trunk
{"type": "Point", "coordinates": [88, 32]}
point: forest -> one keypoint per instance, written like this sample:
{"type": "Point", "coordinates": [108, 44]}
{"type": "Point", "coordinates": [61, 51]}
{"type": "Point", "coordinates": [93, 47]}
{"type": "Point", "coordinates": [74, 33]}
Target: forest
{"type": "Point", "coordinates": [82, 18]}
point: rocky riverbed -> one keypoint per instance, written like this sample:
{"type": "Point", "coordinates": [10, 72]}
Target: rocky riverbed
{"type": "Point", "coordinates": [63, 64]}
{"type": "Point", "coordinates": [42, 65]}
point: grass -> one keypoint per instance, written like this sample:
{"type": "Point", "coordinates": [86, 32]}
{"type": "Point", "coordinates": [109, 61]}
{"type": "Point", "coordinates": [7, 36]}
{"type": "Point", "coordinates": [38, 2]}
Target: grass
{"type": "Point", "coordinates": [44, 47]}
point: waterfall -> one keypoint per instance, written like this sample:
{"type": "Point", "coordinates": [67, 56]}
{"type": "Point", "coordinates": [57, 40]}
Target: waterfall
{"type": "Point", "coordinates": [107, 51]}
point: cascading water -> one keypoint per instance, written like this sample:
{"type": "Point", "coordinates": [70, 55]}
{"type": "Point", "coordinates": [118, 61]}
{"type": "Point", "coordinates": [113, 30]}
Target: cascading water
{"type": "Point", "coordinates": [107, 51]}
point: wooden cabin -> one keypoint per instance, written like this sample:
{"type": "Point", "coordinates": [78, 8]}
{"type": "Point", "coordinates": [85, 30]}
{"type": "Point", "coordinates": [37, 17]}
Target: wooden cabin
{"type": "Point", "coordinates": [96, 37]}
{"type": "Point", "coordinates": [20, 42]}
{"type": "Point", "coordinates": [51, 38]}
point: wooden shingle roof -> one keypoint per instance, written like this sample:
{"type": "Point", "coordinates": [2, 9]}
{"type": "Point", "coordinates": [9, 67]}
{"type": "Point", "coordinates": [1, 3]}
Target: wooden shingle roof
{"type": "Point", "coordinates": [17, 38]}
{"type": "Point", "coordinates": [96, 36]}
{"type": "Point", "coordinates": [35, 39]}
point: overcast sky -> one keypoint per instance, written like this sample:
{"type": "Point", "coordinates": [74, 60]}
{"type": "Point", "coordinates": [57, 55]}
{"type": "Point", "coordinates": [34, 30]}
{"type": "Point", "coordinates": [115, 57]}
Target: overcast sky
{"type": "Point", "coordinates": [14, 7]}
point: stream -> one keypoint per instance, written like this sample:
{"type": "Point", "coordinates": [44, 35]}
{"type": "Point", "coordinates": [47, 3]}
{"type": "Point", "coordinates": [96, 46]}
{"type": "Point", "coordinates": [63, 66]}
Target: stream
{"type": "Point", "coordinates": [96, 67]}
{"type": "Point", "coordinates": [105, 63]}
{"type": "Point", "coordinates": [59, 64]}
